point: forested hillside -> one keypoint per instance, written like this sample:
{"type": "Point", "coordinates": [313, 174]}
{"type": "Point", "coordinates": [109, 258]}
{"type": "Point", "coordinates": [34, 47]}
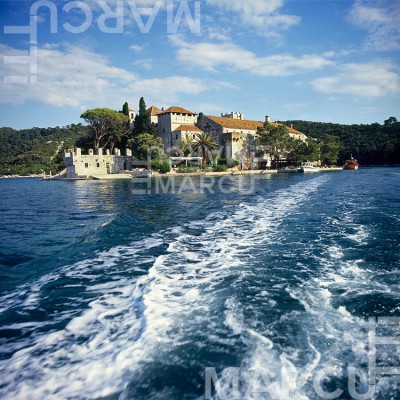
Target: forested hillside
{"type": "Point", "coordinates": [32, 151]}
{"type": "Point", "coordinates": [373, 144]}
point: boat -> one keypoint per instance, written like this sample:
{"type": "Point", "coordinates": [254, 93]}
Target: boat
{"type": "Point", "coordinates": [309, 167]}
{"type": "Point", "coordinates": [289, 170]}
{"type": "Point", "coordinates": [351, 164]}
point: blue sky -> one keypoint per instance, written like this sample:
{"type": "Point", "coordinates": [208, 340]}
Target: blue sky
{"type": "Point", "coordinates": [331, 61]}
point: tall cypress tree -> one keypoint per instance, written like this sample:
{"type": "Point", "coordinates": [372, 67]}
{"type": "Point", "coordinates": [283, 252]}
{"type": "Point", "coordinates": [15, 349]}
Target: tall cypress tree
{"type": "Point", "coordinates": [125, 109]}
{"type": "Point", "coordinates": [142, 120]}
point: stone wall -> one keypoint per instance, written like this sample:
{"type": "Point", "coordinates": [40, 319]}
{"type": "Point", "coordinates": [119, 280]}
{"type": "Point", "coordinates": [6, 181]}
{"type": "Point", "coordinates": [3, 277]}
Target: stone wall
{"type": "Point", "coordinates": [167, 123]}
{"type": "Point", "coordinates": [79, 165]}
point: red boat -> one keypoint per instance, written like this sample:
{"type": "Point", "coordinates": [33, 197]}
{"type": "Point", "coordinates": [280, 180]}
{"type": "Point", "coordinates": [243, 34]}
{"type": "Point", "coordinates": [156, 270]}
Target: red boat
{"type": "Point", "coordinates": [351, 164]}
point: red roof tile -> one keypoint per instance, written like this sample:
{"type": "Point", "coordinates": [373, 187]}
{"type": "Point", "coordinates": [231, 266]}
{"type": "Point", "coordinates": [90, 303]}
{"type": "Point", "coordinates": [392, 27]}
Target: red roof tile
{"type": "Point", "coordinates": [231, 123]}
{"type": "Point", "coordinates": [153, 110]}
{"type": "Point", "coordinates": [236, 123]}
{"type": "Point", "coordinates": [178, 110]}
{"type": "Point", "coordinates": [187, 128]}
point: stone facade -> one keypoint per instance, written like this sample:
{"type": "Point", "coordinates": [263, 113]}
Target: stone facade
{"type": "Point", "coordinates": [153, 112]}
{"type": "Point", "coordinates": [79, 165]}
{"type": "Point", "coordinates": [170, 121]}
{"type": "Point", "coordinates": [132, 115]}
{"type": "Point", "coordinates": [187, 133]}
{"type": "Point", "coordinates": [233, 115]}
{"type": "Point", "coordinates": [235, 137]}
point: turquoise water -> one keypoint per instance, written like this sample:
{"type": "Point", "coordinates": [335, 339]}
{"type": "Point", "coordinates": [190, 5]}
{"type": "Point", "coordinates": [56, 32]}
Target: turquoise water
{"type": "Point", "coordinates": [107, 294]}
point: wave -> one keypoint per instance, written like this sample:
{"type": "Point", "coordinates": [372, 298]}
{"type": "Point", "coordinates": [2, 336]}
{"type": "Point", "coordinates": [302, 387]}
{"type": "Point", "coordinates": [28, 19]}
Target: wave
{"type": "Point", "coordinates": [153, 308]}
{"type": "Point", "coordinates": [127, 323]}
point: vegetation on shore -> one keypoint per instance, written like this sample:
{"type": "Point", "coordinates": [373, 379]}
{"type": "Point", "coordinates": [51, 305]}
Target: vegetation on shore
{"type": "Point", "coordinates": [32, 151]}
{"type": "Point", "coordinates": [371, 144]}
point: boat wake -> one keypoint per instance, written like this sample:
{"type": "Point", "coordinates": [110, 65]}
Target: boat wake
{"type": "Point", "coordinates": [237, 288]}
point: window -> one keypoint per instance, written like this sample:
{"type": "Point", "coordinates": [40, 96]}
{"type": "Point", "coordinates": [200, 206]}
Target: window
{"type": "Point", "coordinates": [163, 131]}
{"type": "Point", "coordinates": [176, 137]}
{"type": "Point", "coordinates": [86, 165]}
{"type": "Point", "coordinates": [98, 165]}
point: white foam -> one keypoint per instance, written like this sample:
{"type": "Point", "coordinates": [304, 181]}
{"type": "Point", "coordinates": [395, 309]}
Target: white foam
{"type": "Point", "coordinates": [130, 322]}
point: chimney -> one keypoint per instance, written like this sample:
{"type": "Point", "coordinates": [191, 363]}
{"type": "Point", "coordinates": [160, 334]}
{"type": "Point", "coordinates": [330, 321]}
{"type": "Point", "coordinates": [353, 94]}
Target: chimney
{"type": "Point", "coordinates": [267, 119]}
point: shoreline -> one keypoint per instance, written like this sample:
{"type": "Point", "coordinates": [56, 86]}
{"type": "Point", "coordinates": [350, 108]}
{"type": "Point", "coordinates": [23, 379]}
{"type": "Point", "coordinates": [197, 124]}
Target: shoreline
{"type": "Point", "coordinates": [158, 175]}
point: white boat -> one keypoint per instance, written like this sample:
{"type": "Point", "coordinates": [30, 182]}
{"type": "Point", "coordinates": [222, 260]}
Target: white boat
{"type": "Point", "coordinates": [289, 170]}
{"type": "Point", "coordinates": [309, 167]}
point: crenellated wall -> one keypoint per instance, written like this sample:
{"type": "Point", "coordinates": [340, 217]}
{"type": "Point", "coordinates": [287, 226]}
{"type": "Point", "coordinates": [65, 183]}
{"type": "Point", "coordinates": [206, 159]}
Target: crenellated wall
{"type": "Point", "coordinates": [82, 166]}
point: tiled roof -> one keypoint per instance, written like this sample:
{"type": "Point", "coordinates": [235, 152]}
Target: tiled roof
{"type": "Point", "coordinates": [291, 130]}
{"type": "Point", "coordinates": [153, 110]}
{"type": "Point", "coordinates": [236, 123]}
{"type": "Point", "coordinates": [178, 110]}
{"type": "Point", "coordinates": [187, 128]}
{"type": "Point", "coordinates": [244, 124]}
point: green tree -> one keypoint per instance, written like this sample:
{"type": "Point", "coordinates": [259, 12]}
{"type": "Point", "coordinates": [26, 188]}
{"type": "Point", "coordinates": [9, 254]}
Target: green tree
{"type": "Point", "coordinates": [125, 109]}
{"type": "Point", "coordinates": [390, 121]}
{"type": "Point", "coordinates": [312, 150]}
{"type": "Point", "coordinates": [185, 147]}
{"type": "Point", "coordinates": [100, 121]}
{"type": "Point", "coordinates": [143, 121]}
{"type": "Point", "coordinates": [276, 139]}
{"type": "Point", "coordinates": [118, 131]}
{"type": "Point", "coordinates": [146, 144]}
{"type": "Point", "coordinates": [329, 150]}
{"type": "Point", "coordinates": [298, 152]}
{"type": "Point", "coordinates": [205, 147]}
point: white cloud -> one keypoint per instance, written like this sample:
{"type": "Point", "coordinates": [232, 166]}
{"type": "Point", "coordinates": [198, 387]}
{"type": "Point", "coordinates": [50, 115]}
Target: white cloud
{"type": "Point", "coordinates": [364, 80]}
{"type": "Point", "coordinates": [136, 48]}
{"type": "Point", "coordinates": [297, 106]}
{"type": "Point", "coordinates": [263, 15]}
{"type": "Point", "coordinates": [73, 77]}
{"type": "Point", "coordinates": [210, 56]}
{"type": "Point", "coordinates": [381, 20]}
{"type": "Point", "coordinates": [165, 90]}
{"type": "Point", "coordinates": [146, 63]}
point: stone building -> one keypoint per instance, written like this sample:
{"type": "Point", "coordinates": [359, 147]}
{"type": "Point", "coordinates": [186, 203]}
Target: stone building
{"type": "Point", "coordinates": [173, 124]}
{"type": "Point", "coordinates": [79, 165]}
{"type": "Point", "coordinates": [236, 137]}
{"type": "Point", "coordinates": [187, 133]}
{"type": "Point", "coordinates": [153, 112]}
{"type": "Point", "coordinates": [132, 115]}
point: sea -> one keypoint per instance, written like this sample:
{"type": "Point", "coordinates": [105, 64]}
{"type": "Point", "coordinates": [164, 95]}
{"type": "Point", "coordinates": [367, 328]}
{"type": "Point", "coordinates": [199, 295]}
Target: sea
{"type": "Point", "coordinates": [283, 286]}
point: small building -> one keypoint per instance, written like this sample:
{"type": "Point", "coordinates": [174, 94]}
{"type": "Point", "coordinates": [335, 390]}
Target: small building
{"type": "Point", "coordinates": [153, 112]}
{"type": "Point", "coordinates": [79, 165]}
{"type": "Point", "coordinates": [169, 123]}
{"type": "Point", "coordinates": [187, 133]}
{"type": "Point", "coordinates": [132, 115]}
{"type": "Point", "coordinates": [233, 115]}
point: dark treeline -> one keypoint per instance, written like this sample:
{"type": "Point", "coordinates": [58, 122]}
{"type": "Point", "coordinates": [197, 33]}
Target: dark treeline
{"type": "Point", "coordinates": [32, 151]}
{"type": "Point", "coordinates": [373, 144]}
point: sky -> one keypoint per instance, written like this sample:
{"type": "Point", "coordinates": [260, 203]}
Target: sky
{"type": "Point", "coordinates": [330, 61]}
